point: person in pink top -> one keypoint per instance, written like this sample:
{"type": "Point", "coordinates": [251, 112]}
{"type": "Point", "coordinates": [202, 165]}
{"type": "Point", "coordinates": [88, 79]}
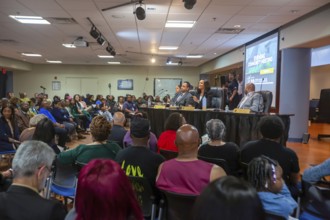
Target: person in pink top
{"type": "Point", "coordinates": [186, 174]}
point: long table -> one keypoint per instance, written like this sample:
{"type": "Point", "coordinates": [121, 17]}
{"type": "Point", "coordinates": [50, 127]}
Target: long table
{"type": "Point", "coordinates": [240, 128]}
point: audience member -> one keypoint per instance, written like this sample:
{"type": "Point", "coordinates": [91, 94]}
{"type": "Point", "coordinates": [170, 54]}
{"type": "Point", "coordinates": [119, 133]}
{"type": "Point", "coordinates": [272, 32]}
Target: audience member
{"type": "Point", "coordinates": [59, 128]}
{"type": "Point", "coordinates": [252, 100]}
{"type": "Point", "coordinates": [62, 116]}
{"type": "Point", "coordinates": [45, 132]}
{"type": "Point", "coordinates": [203, 91]}
{"type": "Point", "coordinates": [152, 143]}
{"type": "Point", "coordinates": [23, 116]}
{"type": "Point", "coordinates": [129, 107]}
{"type": "Point", "coordinates": [217, 148]}
{"type": "Point", "coordinates": [119, 105]}
{"type": "Point", "coordinates": [316, 173]}
{"type": "Point", "coordinates": [271, 129]}
{"type": "Point", "coordinates": [233, 98]}
{"type": "Point", "coordinates": [186, 174]}
{"type": "Point", "coordinates": [104, 110]}
{"type": "Point", "coordinates": [9, 133]}
{"type": "Point", "coordinates": [111, 103]}
{"type": "Point", "coordinates": [228, 198]}
{"type": "Point", "coordinates": [5, 179]}
{"type": "Point", "coordinates": [27, 134]}
{"type": "Point", "coordinates": [31, 167]}
{"type": "Point", "coordinates": [138, 160]}
{"type": "Point", "coordinates": [99, 148]}
{"type": "Point", "coordinates": [118, 131]}
{"type": "Point", "coordinates": [104, 192]}
{"type": "Point", "coordinates": [166, 139]}
{"type": "Point", "coordinates": [33, 110]}
{"type": "Point", "coordinates": [265, 175]}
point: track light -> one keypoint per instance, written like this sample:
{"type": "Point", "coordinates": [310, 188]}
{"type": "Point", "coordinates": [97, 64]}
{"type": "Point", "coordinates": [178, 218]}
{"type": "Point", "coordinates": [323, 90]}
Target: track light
{"type": "Point", "coordinates": [94, 33]}
{"type": "Point", "coordinates": [110, 50]}
{"type": "Point", "coordinates": [189, 4]}
{"type": "Point", "coordinates": [140, 11]}
{"type": "Point", "coordinates": [100, 40]}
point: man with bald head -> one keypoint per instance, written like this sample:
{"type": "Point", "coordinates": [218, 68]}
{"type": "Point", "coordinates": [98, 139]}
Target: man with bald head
{"type": "Point", "coordinates": [252, 100]}
{"type": "Point", "coordinates": [118, 131]}
{"type": "Point", "coordinates": [186, 174]}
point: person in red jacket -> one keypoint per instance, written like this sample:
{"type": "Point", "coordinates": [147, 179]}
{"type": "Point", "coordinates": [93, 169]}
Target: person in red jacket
{"type": "Point", "coordinates": [167, 138]}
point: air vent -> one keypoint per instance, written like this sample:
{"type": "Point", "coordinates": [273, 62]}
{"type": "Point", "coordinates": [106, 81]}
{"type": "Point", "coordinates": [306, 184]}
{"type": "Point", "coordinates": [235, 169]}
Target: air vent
{"type": "Point", "coordinates": [8, 41]}
{"type": "Point", "coordinates": [54, 20]}
{"type": "Point", "coordinates": [229, 30]}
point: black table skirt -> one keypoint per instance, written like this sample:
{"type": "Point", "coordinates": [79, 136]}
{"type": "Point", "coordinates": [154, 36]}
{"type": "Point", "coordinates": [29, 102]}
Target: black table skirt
{"type": "Point", "coordinates": [240, 128]}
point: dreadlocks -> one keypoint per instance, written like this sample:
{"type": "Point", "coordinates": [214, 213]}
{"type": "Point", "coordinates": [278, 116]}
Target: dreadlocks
{"type": "Point", "coordinates": [260, 171]}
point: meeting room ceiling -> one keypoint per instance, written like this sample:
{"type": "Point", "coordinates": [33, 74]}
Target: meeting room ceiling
{"type": "Point", "coordinates": [135, 41]}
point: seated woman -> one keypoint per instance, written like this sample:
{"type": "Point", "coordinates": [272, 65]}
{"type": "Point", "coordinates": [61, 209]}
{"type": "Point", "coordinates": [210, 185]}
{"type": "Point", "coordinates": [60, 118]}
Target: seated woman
{"type": "Point", "coordinates": [9, 133]}
{"type": "Point", "coordinates": [203, 90]}
{"type": "Point", "coordinates": [45, 132]}
{"type": "Point", "coordinates": [104, 192]}
{"type": "Point", "coordinates": [79, 112]}
{"type": "Point", "coordinates": [217, 148]}
{"type": "Point", "coordinates": [167, 138]}
{"type": "Point", "coordinates": [228, 198]}
{"type": "Point", "coordinates": [99, 148]}
{"type": "Point", "coordinates": [265, 175]}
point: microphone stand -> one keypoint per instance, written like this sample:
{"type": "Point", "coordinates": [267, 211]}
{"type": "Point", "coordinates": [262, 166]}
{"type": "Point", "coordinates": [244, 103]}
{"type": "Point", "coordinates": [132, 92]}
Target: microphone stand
{"type": "Point", "coordinates": [260, 93]}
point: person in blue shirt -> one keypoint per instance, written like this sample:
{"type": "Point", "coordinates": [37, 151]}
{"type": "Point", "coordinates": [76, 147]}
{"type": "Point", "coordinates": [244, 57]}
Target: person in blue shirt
{"type": "Point", "coordinates": [59, 128]}
{"type": "Point", "coordinates": [265, 174]}
{"type": "Point", "coordinates": [129, 107]}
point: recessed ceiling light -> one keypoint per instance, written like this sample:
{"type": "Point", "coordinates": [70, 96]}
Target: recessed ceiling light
{"type": "Point", "coordinates": [29, 19]}
{"type": "Point", "coordinates": [113, 62]}
{"type": "Point", "coordinates": [194, 56]}
{"type": "Point", "coordinates": [180, 24]}
{"type": "Point", "coordinates": [54, 61]}
{"type": "Point", "coordinates": [237, 26]}
{"type": "Point", "coordinates": [168, 48]}
{"type": "Point", "coordinates": [31, 54]}
{"type": "Point", "coordinates": [294, 11]}
{"type": "Point", "coordinates": [153, 60]}
{"type": "Point", "coordinates": [105, 56]}
{"type": "Point", "coordinates": [69, 45]}
{"type": "Point", "coordinates": [172, 64]}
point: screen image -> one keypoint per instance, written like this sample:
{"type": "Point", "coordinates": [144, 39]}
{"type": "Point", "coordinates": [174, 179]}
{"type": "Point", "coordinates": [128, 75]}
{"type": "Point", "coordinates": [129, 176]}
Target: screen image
{"type": "Point", "coordinates": [125, 84]}
{"type": "Point", "coordinates": [260, 65]}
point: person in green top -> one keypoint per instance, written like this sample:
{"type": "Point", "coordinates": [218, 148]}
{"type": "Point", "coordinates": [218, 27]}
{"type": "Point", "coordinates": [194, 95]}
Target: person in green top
{"type": "Point", "coordinates": [99, 148]}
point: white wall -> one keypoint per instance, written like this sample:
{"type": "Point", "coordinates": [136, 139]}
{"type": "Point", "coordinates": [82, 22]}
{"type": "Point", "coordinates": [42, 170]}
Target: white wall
{"type": "Point", "coordinates": [320, 79]}
{"type": "Point", "coordinates": [43, 75]}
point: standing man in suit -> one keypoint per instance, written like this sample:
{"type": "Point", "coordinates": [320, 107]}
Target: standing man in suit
{"type": "Point", "coordinates": [252, 100]}
{"type": "Point", "coordinates": [31, 167]}
{"type": "Point", "coordinates": [185, 98]}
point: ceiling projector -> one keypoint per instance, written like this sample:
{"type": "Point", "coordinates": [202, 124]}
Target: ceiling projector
{"type": "Point", "coordinates": [80, 42]}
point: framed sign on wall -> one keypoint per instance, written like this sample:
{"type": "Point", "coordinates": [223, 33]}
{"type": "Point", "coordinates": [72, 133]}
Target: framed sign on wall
{"type": "Point", "coordinates": [125, 84]}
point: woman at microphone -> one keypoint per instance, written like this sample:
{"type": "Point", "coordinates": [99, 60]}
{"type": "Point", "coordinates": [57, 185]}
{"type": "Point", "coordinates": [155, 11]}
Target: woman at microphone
{"type": "Point", "coordinates": [203, 90]}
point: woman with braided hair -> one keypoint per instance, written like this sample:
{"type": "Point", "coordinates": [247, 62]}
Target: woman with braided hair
{"type": "Point", "coordinates": [99, 148]}
{"type": "Point", "coordinates": [265, 174]}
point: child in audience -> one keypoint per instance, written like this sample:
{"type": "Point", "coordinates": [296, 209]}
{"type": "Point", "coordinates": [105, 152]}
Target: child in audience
{"type": "Point", "coordinates": [265, 175]}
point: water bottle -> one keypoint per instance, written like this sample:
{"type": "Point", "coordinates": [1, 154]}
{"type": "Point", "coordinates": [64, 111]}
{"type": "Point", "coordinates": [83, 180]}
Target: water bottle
{"type": "Point", "coordinates": [226, 108]}
{"type": "Point", "coordinates": [204, 103]}
{"type": "Point", "coordinates": [149, 102]}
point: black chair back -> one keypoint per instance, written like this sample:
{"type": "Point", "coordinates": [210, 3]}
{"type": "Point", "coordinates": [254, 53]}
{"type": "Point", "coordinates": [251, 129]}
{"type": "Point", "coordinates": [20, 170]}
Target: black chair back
{"type": "Point", "coordinates": [178, 206]}
{"type": "Point", "coordinates": [168, 154]}
{"type": "Point", "coordinates": [218, 98]}
{"type": "Point", "coordinates": [268, 98]}
{"type": "Point", "coordinates": [217, 161]}
{"type": "Point", "coordinates": [144, 195]}
{"type": "Point", "coordinates": [270, 216]}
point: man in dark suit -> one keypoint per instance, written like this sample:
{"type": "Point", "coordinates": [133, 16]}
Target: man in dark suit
{"type": "Point", "coordinates": [252, 100]}
{"type": "Point", "coordinates": [185, 98]}
{"type": "Point", "coordinates": [22, 201]}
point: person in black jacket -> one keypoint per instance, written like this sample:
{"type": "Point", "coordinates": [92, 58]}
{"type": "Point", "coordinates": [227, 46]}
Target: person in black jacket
{"type": "Point", "coordinates": [22, 201]}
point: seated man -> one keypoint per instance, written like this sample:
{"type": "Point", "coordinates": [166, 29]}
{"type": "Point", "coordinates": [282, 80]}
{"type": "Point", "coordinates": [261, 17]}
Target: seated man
{"type": "Point", "coordinates": [138, 160]}
{"type": "Point", "coordinates": [252, 100]}
{"type": "Point", "coordinates": [118, 131]}
{"type": "Point", "coordinates": [129, 107]}
{"type": "Point", "coordinates": [31, 166]}
{"type": "Point", "coordinates": [186, 174]}
{"type": "Point", "coordinates": [185, 98]}
{"type": "Point", "coordinates": [60, 129]}
{"type": "Point", "coordinates": [23, 116]}
{"type": "Point", "coordinates": [271, 129]}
